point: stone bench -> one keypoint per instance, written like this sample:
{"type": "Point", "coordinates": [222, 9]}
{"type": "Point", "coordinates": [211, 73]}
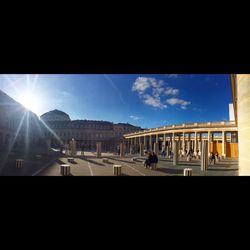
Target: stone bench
{"type": "Point", "coordinates": [19, 163]}
{"type": "Point", "coordinates": [188, 172]}
{"type": "Point", "coordinates": [65, 170]}
{"type": "Point", "coordinates": [117, 170]}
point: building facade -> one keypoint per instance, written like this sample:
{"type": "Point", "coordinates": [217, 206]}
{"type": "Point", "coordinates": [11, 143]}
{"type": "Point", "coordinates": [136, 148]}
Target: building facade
{"type": "Point", "coordinates": [20, 129]}
{"type": "Point", "coordinates": [86, 132]}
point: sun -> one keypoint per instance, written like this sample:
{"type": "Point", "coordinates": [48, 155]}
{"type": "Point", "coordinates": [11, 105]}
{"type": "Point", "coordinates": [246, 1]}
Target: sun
{"type": "Point", "coordinates": [30, 101]}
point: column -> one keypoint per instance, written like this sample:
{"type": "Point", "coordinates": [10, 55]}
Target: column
{"type": "Point", "coordinates": [145, 142]}
{"type": "Point", "coordinates": [223, 154]}
{"type": "Point", "coordinates": [141, 149]}
{"type": "Point", "coordinates": [150, 143]}
{"type": "Point", "coordinates": [195, 143]}
{"type": "Point", "coordinates": [176, 155]}
{"type": "Point", "coordinates": [183, 141]}
{"type": "Point", "coordinates": [188, 143]}
{"type": "Point", "coordinates": [208, 140]}
{"type": "Point", "coordinates": [243, 100]}
{"type": "Point", "coordinates": [164, 143]}
{"type": "Point", "coordinates": [122, 150]}
{"type": "Point", "coordinates": [99, 149]}
{"type": "Point", "coordinates": [156, 145]}
{"type": "Point", "coordinates": [204, 156]}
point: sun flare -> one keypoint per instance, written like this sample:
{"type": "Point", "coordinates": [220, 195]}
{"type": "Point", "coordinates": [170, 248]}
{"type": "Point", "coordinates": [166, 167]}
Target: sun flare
{"type": "Point", "coordinates": [30, 101]}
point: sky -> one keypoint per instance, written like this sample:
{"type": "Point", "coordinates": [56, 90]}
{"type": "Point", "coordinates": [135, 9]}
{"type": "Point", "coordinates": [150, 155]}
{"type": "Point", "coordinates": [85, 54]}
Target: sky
{"type": "Point", "coordinates": [145, 100]}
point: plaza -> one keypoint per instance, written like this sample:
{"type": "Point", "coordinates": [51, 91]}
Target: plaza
{"type": "Point", "coordinates": [132, 165]}
{"type": "Point", "coordinates": [30, 146]}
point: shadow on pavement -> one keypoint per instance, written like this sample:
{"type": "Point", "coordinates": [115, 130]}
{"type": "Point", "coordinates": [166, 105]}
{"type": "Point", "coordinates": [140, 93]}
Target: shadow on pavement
{"type": "Point", "coordinates": [93, 162]}
{"type": "Point", "coordinates": [170, 170]}
{"type": "Point", "coordinates": [130, 162]}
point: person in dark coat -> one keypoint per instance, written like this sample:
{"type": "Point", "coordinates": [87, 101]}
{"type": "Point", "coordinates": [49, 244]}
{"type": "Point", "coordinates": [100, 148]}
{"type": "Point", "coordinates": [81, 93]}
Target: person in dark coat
{"type": "Point", "coordinates": [154, 160]}
{"type": "Point", "coordinates": [148, 161]}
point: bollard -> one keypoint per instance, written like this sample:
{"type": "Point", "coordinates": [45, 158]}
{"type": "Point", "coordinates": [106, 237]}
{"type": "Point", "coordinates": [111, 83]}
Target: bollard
{"type": "Point", "coordinates": [105, 160]}
{"type": "Point", "coordinates": [19, 163]}
{"type": "Point", "coordinates": [71, 160]}
{"type": "Point", "coordinates": [188, 171]}
{"type": "Point", "coordinates": [65, 170]}
{"type": "Point", "coordinates": [117, 170]}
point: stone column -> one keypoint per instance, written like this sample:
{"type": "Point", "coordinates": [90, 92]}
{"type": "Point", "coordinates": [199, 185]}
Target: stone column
{"type": "Point", "coordinates": [183, 142]}
{"type": "Point", "coordinates": [223, 154]}
{"type": "Point", "coordinates": [150, 143]}
{"type": "Point", "coordinates": [122, 150]}
{"type": "Point", "coordinates": [145, 142]}
{"type": "Point", "coordinates": [243, 99]}
{"type": "Point", "coordinates": [195, 143]}
{"type": "Point", "coordinates": [167, 150]}
{"type": "Point", "coordinates": [156, 148]}
{"type": "Point", "coordinates": [176, 155]}
{"type": "Point", "coordinates": [99, 149]}
{"type": "Point", "coordinates": [164, 143]}
{"type": "Point", "coordinates": [204, 156]}
{"type": "Point", "coordinates": [141, 149]}
{"type": "Point", "coordinates": [208, 140]}
{"type": "Point", "coordinates": [188, 146]}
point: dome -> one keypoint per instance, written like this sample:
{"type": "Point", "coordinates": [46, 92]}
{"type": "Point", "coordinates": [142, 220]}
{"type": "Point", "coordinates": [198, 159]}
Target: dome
{"type": "Point", "coordinates": [55, 115]}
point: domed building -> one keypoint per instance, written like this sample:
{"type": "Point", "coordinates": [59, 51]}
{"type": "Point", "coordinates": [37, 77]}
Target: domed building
{"type": "Point", "coordinates": [85, 132]}
{"type": "Point", "coordinates": [55, 115]}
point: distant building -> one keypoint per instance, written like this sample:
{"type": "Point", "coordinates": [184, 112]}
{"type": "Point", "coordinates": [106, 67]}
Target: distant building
{"type": "Point", "coordinates": [55, 115]}
{"type": "Point", "coordinates": [86, 132]}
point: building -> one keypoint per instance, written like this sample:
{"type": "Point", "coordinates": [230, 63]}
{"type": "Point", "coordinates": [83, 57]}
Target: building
{"type": "Point", "coordinates": [20, 129]}
{"type": "Point", "coordinates": [241, 103]}
{"type": "Point", "coordinates": [86, 132]}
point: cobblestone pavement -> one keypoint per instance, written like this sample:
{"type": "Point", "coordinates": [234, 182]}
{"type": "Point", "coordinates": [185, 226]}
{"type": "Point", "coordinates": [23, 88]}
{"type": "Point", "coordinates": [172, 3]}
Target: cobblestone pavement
{"type": "Point", "coordinates": [89, 165]}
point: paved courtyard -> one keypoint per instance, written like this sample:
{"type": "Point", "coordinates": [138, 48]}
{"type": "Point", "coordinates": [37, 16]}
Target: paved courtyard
{"type": "Point", "coordinates": [90, 165]}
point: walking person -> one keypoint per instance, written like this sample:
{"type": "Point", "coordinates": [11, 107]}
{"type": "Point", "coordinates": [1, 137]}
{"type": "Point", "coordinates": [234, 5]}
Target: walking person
{"type": "Point", "coordinates": [147, 162]}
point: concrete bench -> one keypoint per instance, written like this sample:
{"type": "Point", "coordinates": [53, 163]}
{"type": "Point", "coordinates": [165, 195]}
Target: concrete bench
{"type": "Point", "coordinates": [65, 170]}
{"type": "Point", "coordinates": [117, 170]}
{"type": "Point", "coordinates": [188, 171]}
{"type": "Point", "coordinates": [19, 163]}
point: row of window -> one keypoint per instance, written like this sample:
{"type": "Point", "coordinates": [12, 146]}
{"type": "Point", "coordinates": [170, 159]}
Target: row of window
{"type": "Point", "coordinates": [66, 126]}
{"type": "Point", "coordinates": [81, 135]}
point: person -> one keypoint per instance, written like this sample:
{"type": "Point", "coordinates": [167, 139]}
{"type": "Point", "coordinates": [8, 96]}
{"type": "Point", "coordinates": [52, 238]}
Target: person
{"type": "Point", "coordinates": [147, 162]}
{"type": "Point", "coordinates": [154, 160]}
{"type": "Point", "coordinates": [212, 158]}
{"type": "Point", "coordinates": [163, 153]}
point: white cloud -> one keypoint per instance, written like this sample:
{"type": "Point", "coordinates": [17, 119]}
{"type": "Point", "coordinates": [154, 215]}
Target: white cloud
{"type": "Point", "coordinates": [153, 101]}
{"type": "Point", "coordinates": [141, 84]}
{"type": "Point", "coordinates": [152, 90]}
{"type": "Point", "coordinates": [171, 91]}
{"type": "Point", "coordinates": [177, 101]}
{"type": "Point", "coordinates": [134, 117]}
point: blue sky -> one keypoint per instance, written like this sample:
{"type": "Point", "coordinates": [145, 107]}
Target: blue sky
{"type": "Point", "coordinates": [140, 99]}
